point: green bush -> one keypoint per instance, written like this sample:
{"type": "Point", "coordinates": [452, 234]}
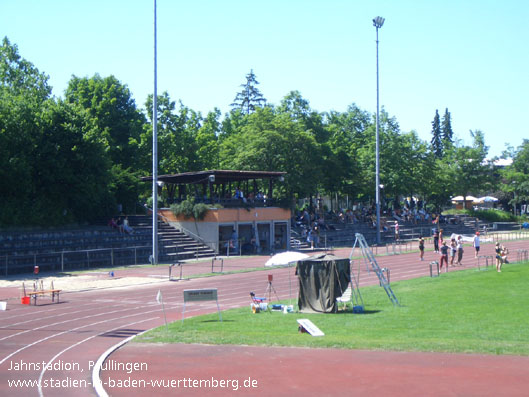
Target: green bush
{"type": "Point", "coordinates": [200, 210]}
{"type": "Point", "coordinates": [494, 215]}
{"type": "Point", "coordinates": [490, 215]}
{"type": "Point", "coordinates": [149, 202]}
{"type": "Point", "coordinates": [188, 209]}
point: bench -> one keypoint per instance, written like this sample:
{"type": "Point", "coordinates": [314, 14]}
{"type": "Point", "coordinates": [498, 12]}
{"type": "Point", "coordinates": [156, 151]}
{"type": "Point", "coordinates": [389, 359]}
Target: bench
{"type": "Point", "coordinates": [52, 292]}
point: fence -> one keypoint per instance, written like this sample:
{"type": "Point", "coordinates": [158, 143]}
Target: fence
{"type": "Point", "coordinates": [74, 260]}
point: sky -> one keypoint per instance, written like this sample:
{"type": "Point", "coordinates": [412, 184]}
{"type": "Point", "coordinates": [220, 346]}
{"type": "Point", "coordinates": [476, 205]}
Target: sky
{"type": "Point", "coordinates": [469, 56]}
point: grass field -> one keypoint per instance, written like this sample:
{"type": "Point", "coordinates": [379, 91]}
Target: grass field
{"type": "Point", "coordinates": [468, 311]}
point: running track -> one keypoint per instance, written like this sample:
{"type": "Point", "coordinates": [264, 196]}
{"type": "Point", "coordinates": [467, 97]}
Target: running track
{"type": "Point", "coordinates": [72, 335]}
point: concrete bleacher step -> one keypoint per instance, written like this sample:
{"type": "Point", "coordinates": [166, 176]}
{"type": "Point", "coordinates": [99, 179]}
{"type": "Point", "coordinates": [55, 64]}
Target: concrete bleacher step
{"type": "Point", "coordinates": [66, 249]}
{"type": "Point", "coordinates": [173, 243]}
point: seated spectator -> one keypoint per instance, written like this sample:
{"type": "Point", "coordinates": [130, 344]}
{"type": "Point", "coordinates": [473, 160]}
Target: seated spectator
{"type": "Point", "coordinates": [113, 224]}
{"type": "Point", "coordinates": [504, 253]}
{"type": "Point", "coordinates": [233, 243]}
{"type": "Point", "coordinates": [126, 226]}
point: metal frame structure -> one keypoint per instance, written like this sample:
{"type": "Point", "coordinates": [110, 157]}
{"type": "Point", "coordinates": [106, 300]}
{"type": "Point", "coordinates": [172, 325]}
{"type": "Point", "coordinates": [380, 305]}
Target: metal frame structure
{"type": "Point", "coordinates": [371, 263]}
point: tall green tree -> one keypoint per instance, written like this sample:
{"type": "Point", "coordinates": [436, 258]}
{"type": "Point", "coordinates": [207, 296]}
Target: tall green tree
{"type": "Point", "coordinates": [19, 76]}
{"type": "Point", "coordinates": [110, 104]}
{"type": "Point", "coordinates": [515, 178]}
{"type": "Point", "coordinates": [23, 91]}
{"type": "Point", "coordinates": [177, 133]}
{"type": "Point", "coordinates": [347, 135]}
{"type": "Point", "coordinates": [207, 140]}
{"type": "Point", "coordinates": [298, 109]}
{"type": "Point", "coordinates": [71, 173]}
{"type": "Point", "coordinates": [469, 173]}
{"type": "Point", "coordinates": [250, 97]}
{"type": "Point", "coordinates": [437, 138]}
{"type": "Point", "coordinates": [446, 130]}
{"type": "Point", "coordinates": [274, 142]}
{"type": "Point", "coordinates": [119, 124]}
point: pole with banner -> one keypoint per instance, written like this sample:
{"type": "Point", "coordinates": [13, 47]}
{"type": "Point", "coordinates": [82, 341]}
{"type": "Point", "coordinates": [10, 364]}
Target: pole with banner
{"type": "Point", "coordinates": [159, 299]}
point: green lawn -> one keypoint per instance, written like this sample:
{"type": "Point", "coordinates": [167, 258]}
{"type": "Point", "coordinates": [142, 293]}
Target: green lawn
{"type": "Point", "coordinates": [467, 312]}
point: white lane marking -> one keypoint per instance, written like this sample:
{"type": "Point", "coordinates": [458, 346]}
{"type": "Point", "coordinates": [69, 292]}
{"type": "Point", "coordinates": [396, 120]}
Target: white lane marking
{"type": "Point", "coordinates": [41, 312]}
{"type": "Point", "coordinates": [82, 341]}
{"type": "Point", "coordinates": [62, 322]}
{"type": "Point", "coordinates": [3, 327]}
{"type": "Point", "coordinates": [96, 379]}
{"type": "Point", "coordinates": [70, 330]}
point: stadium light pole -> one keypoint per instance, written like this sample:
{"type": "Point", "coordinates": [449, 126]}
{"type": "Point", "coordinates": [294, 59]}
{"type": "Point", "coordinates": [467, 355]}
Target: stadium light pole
{"type": "Point", "coordinates": [377, 23]}
{"type": "Point", "coordinates": [155, 155]}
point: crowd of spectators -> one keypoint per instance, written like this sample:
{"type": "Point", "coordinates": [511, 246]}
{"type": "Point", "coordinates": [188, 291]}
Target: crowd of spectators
{"type": "Point", "coordinates": [314, 219]}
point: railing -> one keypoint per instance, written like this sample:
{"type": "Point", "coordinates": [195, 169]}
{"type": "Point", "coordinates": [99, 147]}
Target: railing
{"type": "Point", "coordinates": [235, 202]}
{"type": "Point", "coordinates": [229, 247]}
{"type": "Point", "coordinates": [509, 236]}
{"type": "Point", "coordinates": [74, 260]}
{"type": "Point", "coordinates": [186, 232]}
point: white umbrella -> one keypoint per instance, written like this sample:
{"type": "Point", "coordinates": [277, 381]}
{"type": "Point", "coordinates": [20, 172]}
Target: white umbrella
{"type": "Point", "coordinates": [487, 199]}
{"type": "Point", "coordinates": [284, 258]}
{"type": "Point", "coordinates": [460, 198]}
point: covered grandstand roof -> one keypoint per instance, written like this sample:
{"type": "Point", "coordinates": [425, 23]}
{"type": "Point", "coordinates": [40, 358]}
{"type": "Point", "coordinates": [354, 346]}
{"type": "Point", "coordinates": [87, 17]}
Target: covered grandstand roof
{"type": "Point", "coordinates": [220, 176]}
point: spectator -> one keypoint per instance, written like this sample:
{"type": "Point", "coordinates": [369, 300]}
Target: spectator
{"type": "Point", "coordinates": [113, 224]}
{"type": "Point", "coordinates": [475, 243]}
{"type": "Point", "coordinates": [435, 240]}
{"type": "Point", "coordinates": [120, 225]}
{"type": "Point", "coordinates": [234, 240]}
{"type": "Point", "coordinates": [504, 253]}
{"type": "Point", "coordinates": [444, 256]}
{"type": "Point", "coordinates": [459, 250]}
{"type": "Point", "coordinates": [499, 259]}
{"type": "Point", "coordinates": [453, 250]}
{"type": "Point", "coordinates": [126, 226]}
{"type": "Point", "coordinates": [310, 239]}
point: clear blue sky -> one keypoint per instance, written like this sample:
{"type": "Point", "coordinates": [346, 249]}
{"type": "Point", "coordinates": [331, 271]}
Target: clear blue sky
{"type": "Point", "coordinates": [469, 56]}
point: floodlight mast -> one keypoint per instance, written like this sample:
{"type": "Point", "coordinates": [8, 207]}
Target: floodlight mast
{"type": "Point", "coordinates": [377, 23]}
{"type": "Point", "coordinates": [155, 155]}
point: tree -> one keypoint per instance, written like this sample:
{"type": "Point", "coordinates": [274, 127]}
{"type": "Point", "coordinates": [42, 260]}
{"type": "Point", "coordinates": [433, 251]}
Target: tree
{"type": "Point", "coordinates": [295, 105]}
{"type": "Point", "coordinates": [23, 91]}
{"type": "Point", "coordinates": [19, 76]}
{"type": "Point", "coordinates": [118, 123]}
{"type": "Point", "coordinates": [177, 132]}
{"type": "Point", "coordinates": [71, 173]}
{"type": "Point", "coordinates": [298, 109]}
{"type": "Point", "coordinates": [274, 142]}
{"type": "Point", "coordinates": [347, 134]}
{"type": "Point", "coordinates": [250, 97]}
{"type": "Point", "coordinates": [446, 130]}
{"type": "Point", "coordinates": [468, 170]}
{"type": "Point", "coordinates": [437, 139]}
{"type": "Point", "coordinates": [114, 111]}
{"type": "Point", "coordinates": [515, 178]}
{"type": "Point", "coordinates": [208, 142]}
